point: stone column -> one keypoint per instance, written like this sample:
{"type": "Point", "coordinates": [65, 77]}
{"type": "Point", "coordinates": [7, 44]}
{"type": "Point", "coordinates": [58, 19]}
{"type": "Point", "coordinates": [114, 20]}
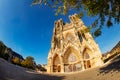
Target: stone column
{"type": "Point", "coordinates": [62, 64]}
{"type": "Point", "coordinates": [62, 68]}
{"type": "Point", "coordinates": [82, 64]}
{"type": "Point", "coordinates": [50, 66]}
{"type": "Point", "coordinates": [82, 61]}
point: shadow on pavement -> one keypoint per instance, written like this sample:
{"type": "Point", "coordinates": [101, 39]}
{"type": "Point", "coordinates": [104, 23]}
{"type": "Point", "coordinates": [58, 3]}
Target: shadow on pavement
{"type": "Point", "coordinates": [113, 66]}
{"type": "Point", "coordinates": [9, 71]}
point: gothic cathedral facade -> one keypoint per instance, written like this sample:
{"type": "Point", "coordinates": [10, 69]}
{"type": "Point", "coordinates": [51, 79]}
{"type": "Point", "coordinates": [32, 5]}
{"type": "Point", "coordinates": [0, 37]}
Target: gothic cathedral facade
{"type": "Point", "coordinates": [72, 49]}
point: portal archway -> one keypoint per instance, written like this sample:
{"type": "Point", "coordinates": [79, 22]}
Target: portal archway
{"type": "Point", "coordinates": [56, 63]}
{"type": "Point", "coordinates": [72, 60]}
{"type": "Point", "coordinates": [87, 58]}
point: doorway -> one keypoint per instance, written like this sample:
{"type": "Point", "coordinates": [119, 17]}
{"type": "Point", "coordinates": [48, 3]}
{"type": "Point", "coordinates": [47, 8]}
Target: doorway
{"type": "Point", "coordinates": [87, 64]}
{"type": "Point", "coordinates": [59, 68]}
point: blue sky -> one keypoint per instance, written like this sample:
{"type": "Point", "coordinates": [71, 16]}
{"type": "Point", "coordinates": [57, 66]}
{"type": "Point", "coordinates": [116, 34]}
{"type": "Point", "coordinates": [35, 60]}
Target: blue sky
{"type": "Point", "coordinates": [28, 30]}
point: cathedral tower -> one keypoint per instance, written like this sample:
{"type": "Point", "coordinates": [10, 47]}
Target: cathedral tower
{"type": "Point", "coordinates": [72, 49]}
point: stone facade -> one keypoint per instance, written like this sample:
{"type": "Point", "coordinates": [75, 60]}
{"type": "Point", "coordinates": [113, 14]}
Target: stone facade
{"type": "Point", "coordinates": [116, 49]}
{"type": "Point", "coordinates": [12, 54]}
{"type": "Point", "coordinates": [71, 48]}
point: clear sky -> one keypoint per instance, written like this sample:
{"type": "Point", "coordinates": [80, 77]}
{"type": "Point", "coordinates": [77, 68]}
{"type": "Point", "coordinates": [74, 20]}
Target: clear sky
{"type": "Point", "coordinates": [28, 30]}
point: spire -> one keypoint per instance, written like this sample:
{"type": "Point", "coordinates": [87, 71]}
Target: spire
{"type": "Point", "coordinates": [58, 26]}
{"type": "Point", "coordinates": [75, 19]}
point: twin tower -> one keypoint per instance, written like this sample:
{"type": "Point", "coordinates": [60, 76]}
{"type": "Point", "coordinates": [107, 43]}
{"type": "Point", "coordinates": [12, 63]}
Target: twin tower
{"type": "Point", "coordinates": [72, 49]}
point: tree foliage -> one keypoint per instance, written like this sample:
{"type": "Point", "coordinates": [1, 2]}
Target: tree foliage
{"type": "Point", "coordinates": [28, 62]}
{"type": "Point", "coordinates": [107, 11]}
{"type": "Point", "coordinates": [16, 60]}
{"type": "Point", "coordinates": [39, 67]}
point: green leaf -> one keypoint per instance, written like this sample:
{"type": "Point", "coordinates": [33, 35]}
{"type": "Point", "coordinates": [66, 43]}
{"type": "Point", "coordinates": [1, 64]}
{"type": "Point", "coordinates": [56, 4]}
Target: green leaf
{"type": "Point", "coordinates": [109, 23]}
{"type": "Point", "coordinates": [97, 32]}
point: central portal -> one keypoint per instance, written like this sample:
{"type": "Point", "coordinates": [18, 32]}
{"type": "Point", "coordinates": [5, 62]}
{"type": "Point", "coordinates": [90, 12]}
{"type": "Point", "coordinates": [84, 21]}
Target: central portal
{"type": "Point", "coordinates": [71, 60]}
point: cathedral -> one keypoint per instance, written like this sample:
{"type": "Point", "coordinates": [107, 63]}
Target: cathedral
{"type": "Point", "coordinates": [72, 49]}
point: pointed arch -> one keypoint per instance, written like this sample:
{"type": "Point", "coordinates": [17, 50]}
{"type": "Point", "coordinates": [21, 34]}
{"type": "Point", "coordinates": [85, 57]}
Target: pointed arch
{"type": "Point", "coordinates": [56, 63]}
{"type": "Point", "coordinates": [56, 59]}
{"type": "Point", "coordinates": [71, 55]}
{"type": "Point", "coordinates": [87, 55]}
{"type": "Point", "coordinates": [72, 59]}
{"type": "Point", "coordinates": [87, 52]}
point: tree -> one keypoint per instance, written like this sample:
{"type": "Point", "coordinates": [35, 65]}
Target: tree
{"type": "Point", "coordinates": [106, 12]}
{"type": "Point", "coordinates": [23, 63]}
{"type": "Point", "coordinates": [39, 67]}
{"type": "Point", "coordinates": [28, 62]}
{"type": "Point", "coordinates": [16, 60]}
{"type": "Point", "coordinates": [29, 58]}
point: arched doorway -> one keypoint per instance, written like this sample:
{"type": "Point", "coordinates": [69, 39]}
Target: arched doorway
{"type": "Point", "coordinates": [59, 68]}
{"type": "Point", "coordinates": [86, 58]}
{"type": "Point", "coordinates": [56, 64]}
{"type": "Point", "coordinates": [71, 60]}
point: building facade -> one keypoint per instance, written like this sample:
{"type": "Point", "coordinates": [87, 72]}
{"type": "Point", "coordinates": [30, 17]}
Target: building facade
{"type": "Point", "coordinates": [116, 49]}
{"type": "Point", "coordinates": [8, 53]}
{"type": "Point", "coordinates": [72, 47]}
{"type": "Point", "coordinates": [113, 52]}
